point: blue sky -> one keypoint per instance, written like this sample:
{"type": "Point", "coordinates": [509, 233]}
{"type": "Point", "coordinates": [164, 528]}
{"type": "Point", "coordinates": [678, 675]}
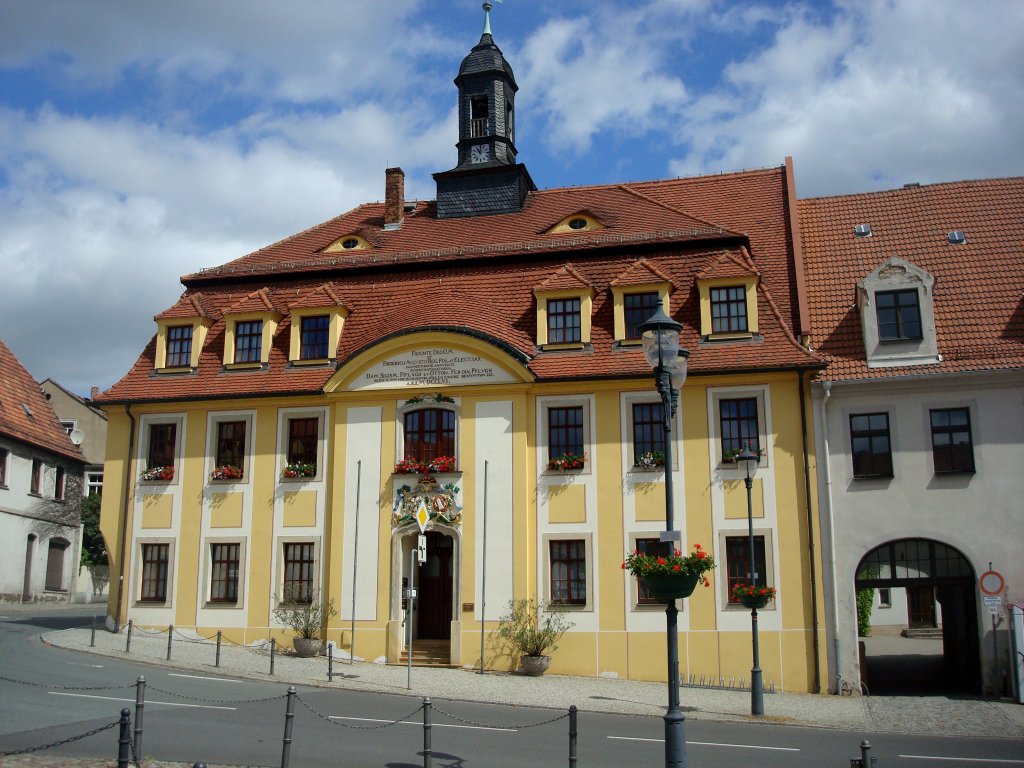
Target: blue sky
{"type": "Point", "coordinates": [141, 141]}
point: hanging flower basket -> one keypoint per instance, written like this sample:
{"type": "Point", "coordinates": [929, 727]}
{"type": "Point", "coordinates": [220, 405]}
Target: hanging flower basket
{"type": "Point", "coordinates": [673, 576]}
{"type": "Point", "coordinates": [753, 596]}
{"type": "Point", "coordinates": [670, 587]}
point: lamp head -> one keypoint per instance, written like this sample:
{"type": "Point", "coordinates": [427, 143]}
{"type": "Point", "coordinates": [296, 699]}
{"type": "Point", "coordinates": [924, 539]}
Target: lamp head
{"type": "Point", "coordinates": [660, 336]}
{"type": "Point", "coordinates": [748, 459]}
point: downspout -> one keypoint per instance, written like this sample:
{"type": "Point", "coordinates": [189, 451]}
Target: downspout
{"type": "Point", "coordinates": [124, 518]}
{"type": "Point", "coordinates": [826, 387]}
{"type": "Point", "coordinates": [810, 531]}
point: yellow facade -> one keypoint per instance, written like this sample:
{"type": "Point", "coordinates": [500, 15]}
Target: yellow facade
{"type": "Point", "coordinates": [501, 438]}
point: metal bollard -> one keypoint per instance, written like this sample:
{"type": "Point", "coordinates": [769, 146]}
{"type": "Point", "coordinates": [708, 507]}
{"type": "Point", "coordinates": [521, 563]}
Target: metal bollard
{"type": "Point", "coordinates": [92, 635]}
{"type": "Point", "coordinates": [170, 637]}
{"type": "Point", "coordinates": [128, 642]}
{"type": "Point", "coordinates": [198, 765]}
{"type": "Point", "coordinates": [330, 662]}
{"type": "Point", "coordinates": [865, 760]}
{"type": "Point", "coordinates": [427, 752]}
{"type": "Point", "coordinates": [572, 736]}
{"type": "Point", "coordinates": [124, 741]}
{"type": "Point", "coordinates": [217, 663]}
{"type": "Point", "coordinates": [273, 647]}
{"type": "Point", "coordinates": [289, 715]}
{"type": "Point", "coordinates": [140, 703]}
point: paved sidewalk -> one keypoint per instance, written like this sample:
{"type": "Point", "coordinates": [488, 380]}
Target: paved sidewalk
{"type": "Point", "coordinates": [937, 715]}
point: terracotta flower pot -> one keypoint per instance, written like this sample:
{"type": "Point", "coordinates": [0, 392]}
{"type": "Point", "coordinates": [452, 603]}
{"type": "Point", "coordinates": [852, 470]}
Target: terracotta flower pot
{"type": "Point", "coordinates": [670, 586]}
{"type": "Point", "coordinates": [755, 601]}
{"type": "Point", "coordinates": [306, 647]}
{"type": "Point", "coordinates": [534, 666]}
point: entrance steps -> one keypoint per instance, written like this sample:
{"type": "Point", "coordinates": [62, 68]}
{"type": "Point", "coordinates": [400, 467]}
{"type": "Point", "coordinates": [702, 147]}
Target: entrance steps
{"type": "Point", "coordinates": [923, 633]}
{"type": "Point", "coordinates": [429, 653]}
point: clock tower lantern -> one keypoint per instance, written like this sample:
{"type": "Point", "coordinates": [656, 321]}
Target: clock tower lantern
{"type": "Point", "coordinates": [487, 179]}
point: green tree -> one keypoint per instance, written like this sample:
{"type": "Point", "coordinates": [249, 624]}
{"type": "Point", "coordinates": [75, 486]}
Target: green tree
{"type": "Point", "coordinates": [865, 602]}
{"type": "Point", "coordinates": [94, 550]}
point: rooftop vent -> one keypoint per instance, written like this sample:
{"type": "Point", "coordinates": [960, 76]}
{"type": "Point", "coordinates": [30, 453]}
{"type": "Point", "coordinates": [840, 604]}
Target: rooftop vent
{"type": "Point", "coordinates": [956, 237]}
{"type": "Point", "coordinates": [27, 410]}
{"type": "Point", "coordinates": [912, 184]}
{"type": "Point", "coordinates": [862, 230]}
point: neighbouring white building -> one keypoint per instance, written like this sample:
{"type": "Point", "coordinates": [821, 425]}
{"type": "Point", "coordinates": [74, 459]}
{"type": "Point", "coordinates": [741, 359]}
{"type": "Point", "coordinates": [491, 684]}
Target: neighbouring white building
{"type": "Point", "coordinates": [917, 302]}
{"type": "Point", "coordinates": [40, 492]}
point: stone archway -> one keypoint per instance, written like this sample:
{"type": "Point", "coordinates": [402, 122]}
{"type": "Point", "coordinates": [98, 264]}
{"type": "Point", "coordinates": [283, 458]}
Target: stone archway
{"type": "Point", "coordinates": [937, 579]}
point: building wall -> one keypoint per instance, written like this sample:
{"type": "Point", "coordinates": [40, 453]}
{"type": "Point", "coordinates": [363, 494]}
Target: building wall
{"type": "Point", "coordinates": [500, 429]}
{"type": "Point", "coordinates": [979, 514]}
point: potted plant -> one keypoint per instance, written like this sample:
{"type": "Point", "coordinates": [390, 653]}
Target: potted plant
{"type": "Point", "coordinates": [411, 466]}
{"type": "Point", "coordinates": [226, 472]}
{"type": "Point", "coordinates": [567, 461]}
{"type": "Point", "coordinates": [729, 457]}
{"type": "Point", "coordinates": [649, 460]}
{"type": "Point", "coordinates": [306, 614]}
{"type": "Point", "coordinates": [299, 469]}
{"type": "Point", "coordinates": [752, 595]}
{"type": "Point", "coordinates": [442, 464]}
{"type": "Point", "coordinates": [164, 474]}
{"type": "Point", "coordinates": [673, 576]}
{"type": "Point", "coordinates": [531, 638]}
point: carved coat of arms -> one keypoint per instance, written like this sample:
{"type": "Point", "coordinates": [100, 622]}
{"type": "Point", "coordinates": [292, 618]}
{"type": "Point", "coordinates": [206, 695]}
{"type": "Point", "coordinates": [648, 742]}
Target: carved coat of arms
{"type": "Point", "coordinates": [440, 501]}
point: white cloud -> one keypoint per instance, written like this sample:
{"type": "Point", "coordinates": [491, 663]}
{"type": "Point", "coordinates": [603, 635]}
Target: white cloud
{"type": "Point", "coordinates": [882, 94]}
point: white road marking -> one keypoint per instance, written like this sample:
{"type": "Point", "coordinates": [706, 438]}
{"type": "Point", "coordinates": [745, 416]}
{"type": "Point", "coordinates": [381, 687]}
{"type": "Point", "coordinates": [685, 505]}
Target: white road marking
{"type": "Point", "coordinates": [148, 701]}
{"type": "Point", "coordinates": [964, 759]}
{"type": "Point", "coordinates": [710, 744]}
{"type": "Point", "coordinates": [420, 725]}
{"type": "Point", "coordinates": [200, 677]}
{"type": "Point", "coordinates": [76, 664]}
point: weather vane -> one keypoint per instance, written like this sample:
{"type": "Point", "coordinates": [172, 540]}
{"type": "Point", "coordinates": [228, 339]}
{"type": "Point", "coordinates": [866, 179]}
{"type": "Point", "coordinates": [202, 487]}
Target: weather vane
{"type": "Point", "coordinates": [487, 16]}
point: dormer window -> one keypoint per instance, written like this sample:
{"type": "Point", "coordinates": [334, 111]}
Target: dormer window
{"type": "Point", "coordinates": [349, 242]}
{"type": "Point", "coordinates": [317, 320]}
{"type": "Point", "coordinates": [637, 308]}
{"type": "Point", "coordinates": [314, 334]}
{"type": "Point", "coordinates": [729, 309]}
{"type": "Point", "coordinates": [897, 315]}
{"type": "Point", "coordinates": [565, 303]}
{"type": "Point", "coordinates": [563, 321]}
{"type": "Point", "coordinates": [248, 341]}
{"type": "Point", "coordinates": [576, 222]}
{"type": "Point", "coordinates": [179, 346]}
{"type": "Point", "coordinates": [249, 327]}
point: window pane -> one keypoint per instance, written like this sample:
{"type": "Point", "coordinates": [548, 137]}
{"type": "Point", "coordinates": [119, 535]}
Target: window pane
{"type": "Point", "coordinates": [565, 431]}
{"type": "Point", "coordinates": [224, 560]}
{"type": "Point", "coordinates": [154, 572]}
{"type": "Point", "coordinates": [952, 448]}
{"type": "Point", "coordinates": [638, 308]}
{"type": "Point", "coordinates": [302, 440]}
{"type": "Point", "coordinates": [161, 445]}
{"type": "Point", "coordinates": [179, 346]}
{"type": "Point", "coordinates": [650, 547]}
{"type": "Point", "coordinates": [648, 429]}
{"type": "Point", "coordinates": [563, 321]}
{"type": "Point", "coordinates": [314, 337]}
{"type": "Point", "coordinates": [568, 572]}
{"type": "Point", "coordinates": [738, 424]}
{"type": "Point", "coordinates": [869, 440]}
{"type": "Point", "coordinates": [429, 433]}
{"type": "Point", "coordinates": [298, 573]}
{"type": "Point", "coordinates": [737, 556]}
{"type": "Point", "coordinates": [729, 309]}
{"type": "Point", "coordinates": [230, 444]}
{"type": "Point", "coordinates": [898, 314]}
{"type": "Point", "coordinates": [248, 341]}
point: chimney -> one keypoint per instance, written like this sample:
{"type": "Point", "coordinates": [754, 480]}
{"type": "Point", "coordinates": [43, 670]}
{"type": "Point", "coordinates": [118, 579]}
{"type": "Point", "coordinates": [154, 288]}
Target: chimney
{"type": "Point", "coordinates": [394, 197]}
{"type": "Point", "coordinates": [94, 392]}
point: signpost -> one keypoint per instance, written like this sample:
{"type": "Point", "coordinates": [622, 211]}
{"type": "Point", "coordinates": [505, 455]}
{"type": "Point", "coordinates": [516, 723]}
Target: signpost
{"type": "Point", "coordinates": [992, 586]}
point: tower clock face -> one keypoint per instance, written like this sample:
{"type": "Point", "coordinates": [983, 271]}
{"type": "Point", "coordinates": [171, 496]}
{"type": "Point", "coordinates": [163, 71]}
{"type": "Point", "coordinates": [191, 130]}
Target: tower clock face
{"type": "Point", "coordinates": [479, 153]}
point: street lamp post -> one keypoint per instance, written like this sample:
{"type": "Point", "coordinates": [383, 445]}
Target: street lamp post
{"type": "Point", "coordinates": [660, 335]}
{"type": "Point", "coordinates": [749, 459]}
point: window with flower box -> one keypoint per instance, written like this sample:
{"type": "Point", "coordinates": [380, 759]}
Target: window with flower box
{"type": "Point", "coordinates": [230, 449]}
{"type": "Point", "coordinates": [565, 431]}
{"type": "Point", "coordinates": [738, 426]}
{"type": "Point", "coordinates": [429, 433]}
{"type": "Point", "coordinates": [162, 445]}
{"type": "Point", "coordinates": [648, 435]}
{"type": "Point", "coordinates": [737, 564]}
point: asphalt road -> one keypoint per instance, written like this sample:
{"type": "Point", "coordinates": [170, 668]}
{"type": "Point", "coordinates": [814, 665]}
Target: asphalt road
{"type": "Point", "coordinates": [241, 722]}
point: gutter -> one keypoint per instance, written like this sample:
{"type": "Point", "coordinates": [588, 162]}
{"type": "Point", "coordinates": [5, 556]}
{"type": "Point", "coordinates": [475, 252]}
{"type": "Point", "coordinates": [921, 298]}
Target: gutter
{"type": "Point", "coordinates": [826, 387]}
{"type": "Point", "coordinates": [810, 531]}
{"type": "Point", "coordinates": [122, 555]}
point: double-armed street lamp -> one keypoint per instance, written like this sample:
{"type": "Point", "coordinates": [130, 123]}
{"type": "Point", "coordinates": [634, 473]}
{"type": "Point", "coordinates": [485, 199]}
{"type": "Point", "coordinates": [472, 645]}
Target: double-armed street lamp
{"type": "Point", "coordinates": [660, 335]}
{"type": "Point", "coordinates": [748, 459]}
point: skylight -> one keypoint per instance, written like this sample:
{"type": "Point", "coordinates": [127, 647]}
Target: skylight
{"type": "Point", "coordinates": [956, 237]}
{"type": "Point", "coordinates": [862, 230]}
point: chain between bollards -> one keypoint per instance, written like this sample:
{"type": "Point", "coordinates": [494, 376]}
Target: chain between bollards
{"type": "Point", "coordinates": [124, 741]}
{"type": "Point", "coordinates": [289, 715]}
{"type": "Point", "coordinates": [217, 662]}
{"type": "Point", "coordinates": [427, 751]}
{"type": "Point", "coordinates": [128, 641]}
{"type": "Point", "coordinates": [572, 736]}
{"type": "Point", "coordinates": [170, 638]}
{"type": "Point", "coordinates": [273, 648]}
{"type": "Point", "coordinates": [140, 703]}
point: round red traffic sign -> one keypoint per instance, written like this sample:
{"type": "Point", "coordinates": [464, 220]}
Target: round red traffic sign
{"type": "Point", "coordinates": [991, 583]}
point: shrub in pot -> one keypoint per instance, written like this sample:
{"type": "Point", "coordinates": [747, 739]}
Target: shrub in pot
{"type": "Point", "coordinates": [306, 613]}
{"type": "Point", "coordinates": [531, 637]}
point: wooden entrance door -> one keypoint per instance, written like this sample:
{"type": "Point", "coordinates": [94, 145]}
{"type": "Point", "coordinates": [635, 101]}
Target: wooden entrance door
{"type": "Point", "coordinates": [921, 606]}
{"type": "Point", "coordinates": [434, 589]}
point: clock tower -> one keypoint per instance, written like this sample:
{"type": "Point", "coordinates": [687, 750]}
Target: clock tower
{"type": "Point", "coordinates": [487, 179]}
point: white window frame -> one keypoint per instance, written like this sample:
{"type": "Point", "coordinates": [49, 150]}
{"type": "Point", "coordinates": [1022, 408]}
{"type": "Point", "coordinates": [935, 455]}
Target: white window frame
{"type": "Point", "coordinates": [586, 402]}
{"type": "Point", "coordinates": [769, 564]}
{"type": "Point", "coordinates": [279, 575]}
{"type": "Point", "coordinates": [212, 430]}
{"type": "Point", "coordinates": [179, 439]}
{"type": "Point", "coordinates": [168, 601]}
{"type": "Point", "coordinates": [762, 394]}
{"type": "Point", "coordinates": [284, 415]}
{"type": "Point", "coordinates": [427, 402]}
{"type": "Point", "coordinates": [588, 542]}
{"type": "Point", "coordinates": [208, 603]}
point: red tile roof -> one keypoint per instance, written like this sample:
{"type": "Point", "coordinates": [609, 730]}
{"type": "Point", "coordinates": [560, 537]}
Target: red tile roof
{"type": "Point", "coordinates": [979, 285]}
{"type": "Point", "coordinates": [25, 413]}
{"type": "Point", "coordinates": [477, 275]}
{"type": "Point", "coordinates": [188, 306]}
{"type": "Point", "coordinates": [728, 264]}
{"type": "Point", "coordinates": [257, 301]}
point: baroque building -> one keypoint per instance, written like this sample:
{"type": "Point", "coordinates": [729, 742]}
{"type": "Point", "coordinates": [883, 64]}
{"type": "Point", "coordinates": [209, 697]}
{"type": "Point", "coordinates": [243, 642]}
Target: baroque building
{"type": "Point", "coordinates": [480, 353]}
